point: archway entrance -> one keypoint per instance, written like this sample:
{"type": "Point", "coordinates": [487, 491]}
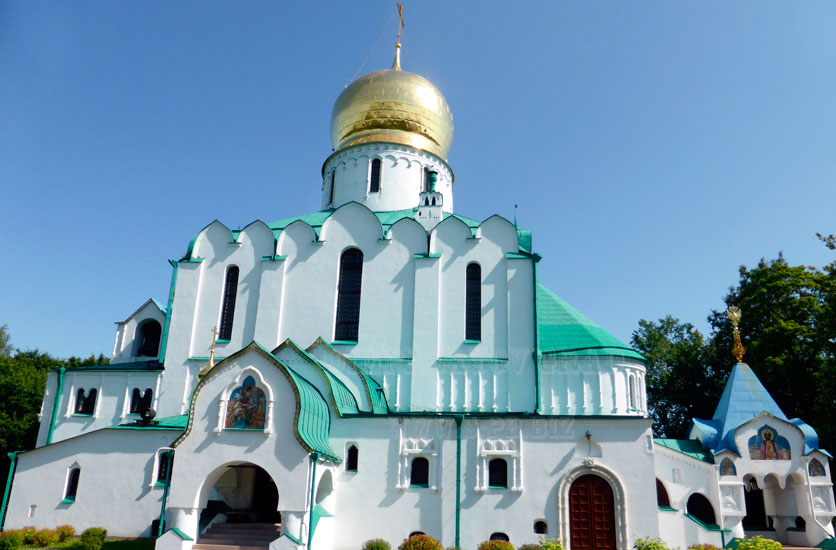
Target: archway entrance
{"type": "Point", "coordinates": [242, 494]}
{"type": "Point", "coordinates": [591, 514]}
{"type": "Point", "coordinates": [755, 519]}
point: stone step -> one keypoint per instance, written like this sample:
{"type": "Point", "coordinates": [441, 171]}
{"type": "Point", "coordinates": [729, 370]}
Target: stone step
{"type": "Point", "coordinates": [246, 525]}
{"type": "Point", "coordinates": [236, 532]}
{"type": "Point", "coordinates": [200, 546]}
{"type": "Point", "coordinates": [261, 541]}
{"type": "Point", "coordinates": [254, 535]}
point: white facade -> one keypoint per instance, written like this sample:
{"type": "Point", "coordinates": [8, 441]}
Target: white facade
{"type": "Point", "coordinates": [463, 400]}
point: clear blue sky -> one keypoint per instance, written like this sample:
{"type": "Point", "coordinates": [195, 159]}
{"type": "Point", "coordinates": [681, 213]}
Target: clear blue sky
{"type": "Point", "coordinates": [652, 146]}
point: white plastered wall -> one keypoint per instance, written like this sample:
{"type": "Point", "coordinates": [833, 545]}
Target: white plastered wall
{"type": "Point", "coordinates": [401, 175]}
{"type": "Point", "coordinates": [115, 488]}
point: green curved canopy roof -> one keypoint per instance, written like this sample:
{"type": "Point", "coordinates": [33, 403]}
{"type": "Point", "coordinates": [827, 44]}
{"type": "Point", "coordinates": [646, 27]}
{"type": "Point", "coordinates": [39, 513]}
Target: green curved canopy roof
{"type": "Point", "coordinates": [564, 331]}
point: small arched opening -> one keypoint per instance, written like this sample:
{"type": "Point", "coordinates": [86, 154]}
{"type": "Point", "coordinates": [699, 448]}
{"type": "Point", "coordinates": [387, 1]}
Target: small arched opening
{"type": "Point", "coordinates": [499, 536]}
{"type": "Point", "coordinates": [147, 339]}
{"type": "Point", "coordinates": [700, 507]}
{"type": "Point", "coordinates": [541, 527]}
{"type": "Point", "coordinates": [662, 499]}
{"type": "Point", "coordinates": [351, 457]}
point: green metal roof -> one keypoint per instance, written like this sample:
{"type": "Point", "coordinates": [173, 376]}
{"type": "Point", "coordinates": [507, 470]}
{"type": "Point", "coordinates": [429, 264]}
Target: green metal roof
{"type": "Point", "coordinates": [690, 447]}
{"type": "Point", "coordinates": [374, 391]}
{"type": "Point", "coordinates": [564, 331]}
{"type": "Point", "coordinates": [312, 420]}
{"type": "Point", "coordinates": [343, 399]}
{"type": "Point", "coordinates": [168, 423]}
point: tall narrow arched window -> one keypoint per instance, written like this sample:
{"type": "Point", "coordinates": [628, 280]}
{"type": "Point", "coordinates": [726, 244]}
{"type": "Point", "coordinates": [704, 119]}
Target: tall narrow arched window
{"type": "Point", "coordinates": [425, 179]}
{"type": "Point", "coordinates": [374, 177]}
{"type": "Point", "coordinates": [632, 390]}
{"type": "Point", "coordinates": [331, 192]}
{"type": "Point", "coordinates": [498, 473]}
{"type": "Point", "coordinates": [72, 484]}
{"type": "Point", "coordinates": [228, 309]}
{"type": "Point", "coordinates": [351, 459]}
{"type": "Point", "coordinates": [419, 473]}
{"type": "Point", "coordinates": [348, 295]}
{"type": "Point", "coordinates": [473, 303]}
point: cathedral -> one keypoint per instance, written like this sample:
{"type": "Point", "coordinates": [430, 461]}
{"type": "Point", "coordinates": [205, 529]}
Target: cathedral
{"type": "Point", "coordinates": [384, 367]}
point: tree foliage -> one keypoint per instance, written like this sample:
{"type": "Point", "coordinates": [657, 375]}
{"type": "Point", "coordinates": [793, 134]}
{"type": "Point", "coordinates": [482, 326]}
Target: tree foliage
{"type": "Point", "coordinates": [22, 382]}
{"type": "Point", "coordinates": [788, 328]}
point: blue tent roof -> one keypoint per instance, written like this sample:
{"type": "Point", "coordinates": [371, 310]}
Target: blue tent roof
{"type": "Point", "coordinates": [743, 399]}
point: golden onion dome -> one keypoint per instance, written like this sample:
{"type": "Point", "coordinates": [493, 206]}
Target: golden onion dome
{"type": "Point", "coordinates": [393, 106]}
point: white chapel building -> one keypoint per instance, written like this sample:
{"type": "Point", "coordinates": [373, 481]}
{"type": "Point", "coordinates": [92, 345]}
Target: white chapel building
{"type": "Point", "coordinates": [387, 366]}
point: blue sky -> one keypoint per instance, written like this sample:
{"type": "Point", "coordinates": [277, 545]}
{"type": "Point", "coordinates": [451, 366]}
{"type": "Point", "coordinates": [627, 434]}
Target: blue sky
{"type": "Point", "coordinates": [652, 146]}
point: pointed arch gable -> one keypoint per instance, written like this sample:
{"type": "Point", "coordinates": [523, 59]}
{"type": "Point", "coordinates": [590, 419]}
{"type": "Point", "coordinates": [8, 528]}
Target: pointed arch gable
{"type": "Point", "coordinates": [260, 237]}
{"type": "Point", "coordinates": [362, 221]}
{"type": "Point", "coordinates": [312, 419]}
{"type": "Point", "coordinates": [297, 234]}
{"type": "Point", "coordinates": [208, 239]}
{"type": "Point", "coordinates": [500, 231]}
{"type": "Point", "coordinates": [366, 389]}
{"type": "Point", "coordinates": [342, 399]}
{"type": "Point", "coordinates": [450, 227]}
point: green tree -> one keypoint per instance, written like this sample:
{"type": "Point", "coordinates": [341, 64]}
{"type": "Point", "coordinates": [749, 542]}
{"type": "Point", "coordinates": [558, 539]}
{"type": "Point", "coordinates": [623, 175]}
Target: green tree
{"type": "Point", "coordinates": [679, 384]}
{"type": "Point", "coordinates": [5, 346]}
{"type": "Point", "coordinates": [22, 382]}
{"type": "Point", "coordinates": [788, 328]}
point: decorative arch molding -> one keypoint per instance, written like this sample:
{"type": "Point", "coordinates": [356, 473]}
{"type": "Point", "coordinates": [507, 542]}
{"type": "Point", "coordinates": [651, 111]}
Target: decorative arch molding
{"type": "Point", "coordinates": [236, 383]}
{"type": "Point", "coordinates": [589, 466]}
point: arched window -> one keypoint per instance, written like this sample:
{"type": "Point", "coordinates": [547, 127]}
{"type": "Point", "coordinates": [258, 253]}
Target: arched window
{"type": "Point", "coordinates": [498, 473]}
{"type": "Point", "coordinates": [425, 179]}
{"type": "Point", "coordinates": [662, 499]}
{"type": "Point", "coordinates": [374, 178]}
{"type": "Point", "coordinates": [816, 468]}
{"type": "Point", "coordinates": [632, 390]}
{"type": "Point", "coordinates": [348, 295]}
{"type": "Point", "coordinates": [419, 473]}
{"type": "Point", "coordinates": [164, 467]}
{"type": "Point", "coordinates": [473, 303]}
{"type": "Point", "coordinates": [141, 401]}
{"type": "Point", "coordinates": [727, 468]}
{"type": "Point", "coordinates": [85, 403]}
{"type": "Point", "coordinates": [800, 523]}
{"type": "Point", "coordinates": [228, 309]}
{"type": "Point", "coordinates": [148, 339]}
{"type": "Point", "coordinates": [331, 192]}
{"type": "Point", "coordinates": [72, 484]}
{"type": "Point", "coordinates": [540, 527]}
{"type": "Point", "coordinates": [416, 533]}
{"type": "Point", "coordinates": [247, 407]}
{"type": "Point", "coordinates": [351, 459]}
{"type": "Point", "coordinates": [700, 507]}
{"type": "Point", "coordinates": [500, 536]}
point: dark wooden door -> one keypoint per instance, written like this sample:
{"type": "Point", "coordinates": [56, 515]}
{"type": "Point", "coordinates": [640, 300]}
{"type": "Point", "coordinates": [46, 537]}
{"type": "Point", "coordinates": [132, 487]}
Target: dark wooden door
{"type": "Point", "coordinates": [591, 514]}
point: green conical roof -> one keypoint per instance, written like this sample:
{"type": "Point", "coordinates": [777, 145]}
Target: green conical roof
{"type": "Point", "coordinates": [563, 330]}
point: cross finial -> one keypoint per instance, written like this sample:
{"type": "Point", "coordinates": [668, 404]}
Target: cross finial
{"type": "Point", "coordinates": [735, 315]}
{"type": "Point", "coordinates": [212, 349]}
{"type": "Point", "coordinates": [397, 64]}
